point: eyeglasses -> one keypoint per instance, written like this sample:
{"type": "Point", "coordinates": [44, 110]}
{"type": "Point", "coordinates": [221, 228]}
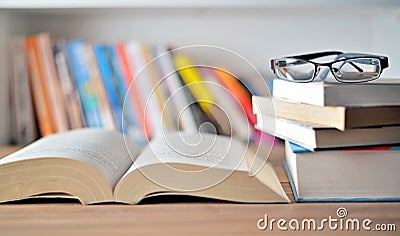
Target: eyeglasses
{"type": "Point", "coordinates": [345, 68]}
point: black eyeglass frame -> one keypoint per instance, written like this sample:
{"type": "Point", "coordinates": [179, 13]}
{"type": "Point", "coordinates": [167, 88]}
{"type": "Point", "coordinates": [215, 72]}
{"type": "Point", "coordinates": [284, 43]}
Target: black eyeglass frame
{"type": "Point", "coordinates": [383, 60]}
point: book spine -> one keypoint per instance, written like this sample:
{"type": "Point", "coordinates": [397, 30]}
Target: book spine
{"type": "Point", "coordinates": [242, 98]}
{"type": "Point", "coordinates": [201, 92]}
{"type": "Point", "coordinates": [37, 82]}
{"type": "Point", "coordinates": [132, 92]}
{"type": "Point", "coordinates": [166, 109]}
{"type": "Point", "coordinates": [130, 125]}
{"type": "Point", "coordinates": [76, 57]}
{"type": "Point", "coordinates": [109, 83]}
{"type": "Point", "coordinates": [143, 81]}
{"type": "Point", "coordinates": [71, 96]}
{"type": "Point", "coordinates": [193, 80]}
{"type": "Point", "coordinates": [310, 93]}
{"type": "Point", "coordinates": [23, 117]}
{"type": "Point", "coordinates": [97, 88]}
{"type": "Point", "coordinates": [52, 83]}
{"type": "Point", "coordinates": [228, 103]}
{"type": "Point", "coordinates": [176, 91]}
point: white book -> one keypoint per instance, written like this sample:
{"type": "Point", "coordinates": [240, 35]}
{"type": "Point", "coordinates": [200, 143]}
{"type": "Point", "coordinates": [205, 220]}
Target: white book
{"type": "Point", "coordinates": [176, 90]}
{"type": "Point", "coordinates": [145, 87]}
{"type": "Point", "coordinates": [380, 92]}
{"type": "Point", "coordinates": [343, 175]}
{"type": "Point", "coordinates": [313, 136]}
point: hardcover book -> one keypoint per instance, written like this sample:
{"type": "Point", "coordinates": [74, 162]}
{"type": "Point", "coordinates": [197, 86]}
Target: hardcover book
{"type": "Point", "coordinates": [339, 117]}
{"type": "Point", "coordinates": [362, 174]}
{"type": "Point", "coordinates": [317, 136]}
{"type": "Point", "coordinates": [381, 92]}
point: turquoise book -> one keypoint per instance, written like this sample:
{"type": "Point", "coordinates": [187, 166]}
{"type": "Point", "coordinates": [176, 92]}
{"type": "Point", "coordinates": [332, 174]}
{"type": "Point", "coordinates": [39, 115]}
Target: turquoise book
{"type": "Point", "coordinates": [76, 54]}
{"type": "Point", "coordinates": [109, 83]}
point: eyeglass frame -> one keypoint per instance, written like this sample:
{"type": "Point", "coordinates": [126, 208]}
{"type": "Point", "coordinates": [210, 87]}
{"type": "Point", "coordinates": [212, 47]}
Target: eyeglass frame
{"type": "Point", "coordinates": [383, 60]}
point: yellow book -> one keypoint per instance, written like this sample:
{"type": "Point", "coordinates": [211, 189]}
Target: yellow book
{"type": "Point", "coordinates": [202, 93]}
{"type": "Point", "coordinates": [194, 81]}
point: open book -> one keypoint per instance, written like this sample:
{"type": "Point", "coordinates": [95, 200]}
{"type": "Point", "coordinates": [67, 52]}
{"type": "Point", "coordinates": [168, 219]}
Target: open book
{"type": "Point", "coordinates": [96, 166]}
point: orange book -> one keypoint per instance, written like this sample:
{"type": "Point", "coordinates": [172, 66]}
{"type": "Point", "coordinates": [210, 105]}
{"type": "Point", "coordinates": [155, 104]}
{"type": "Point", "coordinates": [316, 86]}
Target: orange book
{"type": "Point", "coordinates": [52, 86]}
{"type": "Point", "coordinates": [238, 91]}
{"type": "Point", "coordinates": [40, 99]}
{"type": "Point", "coordinates": [128, 76]}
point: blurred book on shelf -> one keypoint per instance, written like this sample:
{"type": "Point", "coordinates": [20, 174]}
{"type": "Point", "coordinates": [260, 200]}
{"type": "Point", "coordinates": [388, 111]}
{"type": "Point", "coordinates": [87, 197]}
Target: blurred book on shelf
{"type": "Point", "coordinates": [71, 96]}
{"type": "Point", "coordinates": [319, 121]}
{"type": "Point", "coordinates": [40, 96]}
{"type": "Point", "coordinates": [132, 87]}
{"type": "Point", "coordinates": [23, 119]}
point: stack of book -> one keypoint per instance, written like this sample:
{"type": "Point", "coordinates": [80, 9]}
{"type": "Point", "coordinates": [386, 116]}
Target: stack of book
{"type": "Point", "coordinates": [340, 139]}
{"type": "Point", "coordinates": [140, 90]}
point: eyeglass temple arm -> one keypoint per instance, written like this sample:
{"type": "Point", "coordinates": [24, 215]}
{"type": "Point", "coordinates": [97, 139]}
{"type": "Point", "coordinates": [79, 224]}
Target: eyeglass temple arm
{"type": "Point", "coordinates": [383, 59]}
{"type": "Point", "coordinates": [384, 62]}
{"type": "Point", "coordinates": [322, 54]}
{"type": "Point", "coordinates": [324, 73]}
{"type": "Point", "coordinates": [316, 55]}
{"type": "Point", "coordinates": [308, 57]}
{"type": "Point", "coordinates": [273, 65]}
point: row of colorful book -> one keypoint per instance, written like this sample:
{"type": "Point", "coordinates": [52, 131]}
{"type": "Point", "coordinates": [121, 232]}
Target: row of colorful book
{"type": "Point", "coordinates": [58, 85]}
{"type": "Point", "coordinates": [341, 140]}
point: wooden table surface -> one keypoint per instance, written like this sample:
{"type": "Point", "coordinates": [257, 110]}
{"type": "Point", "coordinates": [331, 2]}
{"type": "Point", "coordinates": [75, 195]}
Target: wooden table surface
{"type": "Point", "coordinates": [195, 218]}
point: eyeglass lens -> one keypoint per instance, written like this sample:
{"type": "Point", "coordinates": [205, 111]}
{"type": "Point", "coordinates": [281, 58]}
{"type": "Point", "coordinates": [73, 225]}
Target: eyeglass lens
{"type": "Point", "coordinates": [358, 69]}
{"type": "Point", "coordinates": [294, 70]}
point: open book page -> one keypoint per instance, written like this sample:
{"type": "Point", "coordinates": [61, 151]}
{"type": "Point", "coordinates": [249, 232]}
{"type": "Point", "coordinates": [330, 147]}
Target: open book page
{"type": "Point", "coordinates": [207, 150]}
{"type": "Point", "coordinates": [104, 150]}
{"type": "Point", "coordinates": [206, 165]}
{"type": "Point", "coordinates": [186, 162]}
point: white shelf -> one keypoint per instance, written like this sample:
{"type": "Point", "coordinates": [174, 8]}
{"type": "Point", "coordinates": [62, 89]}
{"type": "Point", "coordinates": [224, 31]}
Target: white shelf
{"type": "Point", "coordinates": [256, 29]}
{"type": "Point", "coordinates": [82, 4]}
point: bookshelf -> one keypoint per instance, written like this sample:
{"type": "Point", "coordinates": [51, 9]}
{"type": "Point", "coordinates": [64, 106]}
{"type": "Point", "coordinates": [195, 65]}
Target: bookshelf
{"type": "Point", "coordinates": [257, 30]}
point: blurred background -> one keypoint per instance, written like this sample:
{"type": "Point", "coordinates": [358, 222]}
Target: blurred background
{"type": "Point", "coordinates": [256, 30]}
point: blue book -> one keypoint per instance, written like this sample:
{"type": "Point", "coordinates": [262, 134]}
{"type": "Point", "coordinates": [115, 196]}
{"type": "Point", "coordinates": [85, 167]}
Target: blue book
{"type": "Point", "coordinates": [351, 174]}
{"type": "Point", "coordinates": [109, 83]}
{"type": "Point", "coordinates": [78, 65]}
{"type": "Point", "coordinates": [296, 148]}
